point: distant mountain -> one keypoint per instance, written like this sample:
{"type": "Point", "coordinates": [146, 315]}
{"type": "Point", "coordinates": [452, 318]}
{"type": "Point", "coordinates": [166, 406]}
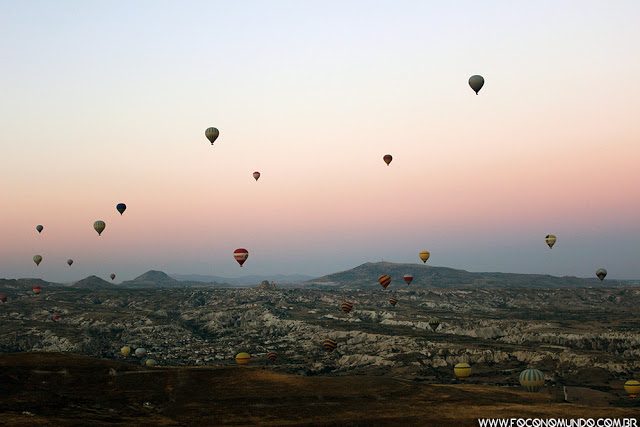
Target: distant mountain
{"type": "Point", "coordinates": [93, 282]}
{"type": "Point", "coordinates": [244, 280]}
{"type": "Point", "coordinates": [154, 279]}
{"type": "Point", "coordinates": [25, 283]}
{"type": "Point", "coordinates": [366, 275]}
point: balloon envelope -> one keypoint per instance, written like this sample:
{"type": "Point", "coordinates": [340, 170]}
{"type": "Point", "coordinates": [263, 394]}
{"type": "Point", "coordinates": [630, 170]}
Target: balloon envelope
{"type": "Point", "coordinates": [462, 370]}
{"type": "Point", "coordinates": [346, 306]}
{"type": "Point", "coordinates": [551, 240]}
{"type": "Point", "coordinates": [3, 298]}
{"type": "Point", "coordinates": [36, 289]}
{"type": "Point", "coordinates": [272, 356]}
{"type": "Point", "coordinates": [112, 275]}
{"type": "Point", "coordinates": [256, 175]}
{"type": "Point", "coordinates": [531, 379]}
{"type": "Point", "coordinates": [384, 280]}
{"type": "Point", "coordinates": [408, 278]}
{"type": "Point", "coordinates": [140, 352]}
{"type": "Point", "coordinates": [243, 358]}
{"type": "Point", "coordinates": [121, 207]}
{"type": "Point", "coordinates": [601, 273]}
{"type": "Point", "coordinates": [212, 134]}
{"type": "Point", "coordinates": [37, 259]}
{"type": "Point", "coordinates": [329, 345]}
{"type": "Point", "coordinates": [632, 387]}
{"type": "Point", "coordinates": [99, 226]}
{"type": "Point", "coordinates": [424, 255]}
{"type": "Point", "coordinates": [387, 158]}
{"type": "Point", "coordinates": [39, 228]}
{"type": "Point", "coordinates": [476, 82]}
{"type": "Point", "coordinates": [125, 351]}
{"type": "Point", "coordinates": [241, 255]}
{"type": "Point", "coordinates": [69, 262]}
{"type": "Point", "coordinates": [393, 301]}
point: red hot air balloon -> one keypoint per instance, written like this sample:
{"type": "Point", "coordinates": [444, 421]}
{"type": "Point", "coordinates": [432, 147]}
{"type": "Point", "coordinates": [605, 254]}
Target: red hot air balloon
{"type": "Point", "coordinates": [393, 301]}
{"type": "Point", "coordinates": [272, 356]}
{"type": "Point", "coordinates": [3, 298]}
{"type": "Point", "coordinates": [36, 289]}
{"type": "Point", "coordinates": [408, 278]}
{"type": "Point", "coordinates": [384, 280]}
{"type": "Point", "coordinates": [346, 306]}
{"type": "Point", "coordinates": [55, 317]}
{"type": "Point", "coordinates": [387, 158]}
{"type": "Point", "coordinates": [241, 255]}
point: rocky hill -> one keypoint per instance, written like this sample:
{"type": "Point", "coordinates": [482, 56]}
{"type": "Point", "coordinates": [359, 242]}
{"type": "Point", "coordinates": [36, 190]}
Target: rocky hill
{"type": "Point", "coordinates": [93, 282]}
{"type": "Point", "coordinates": [366, 276]}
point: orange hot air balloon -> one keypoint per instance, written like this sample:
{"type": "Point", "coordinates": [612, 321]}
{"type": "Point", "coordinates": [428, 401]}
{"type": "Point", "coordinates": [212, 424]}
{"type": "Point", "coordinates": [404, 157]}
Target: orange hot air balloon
{"type": "Point", "coordinates": [387, 158]}
{"type": "Point", "coordinates": [346, 306]}
{"type": "Point", "coordinates": [393, 301]}
{"type": "Point", "coordinates": [272, 356]}
{"type": "Point", "coordinates": [243, 358]}
{"type": "Point", "coordinates": [329, 345]}
{"type": "Point", "coordinates": [408, 278]}
{"type": "Point", "coordinates": [36, 289]}
{"type": "Point", "coordinates": [256, 175]}
{"type": "Point", "coordinates": [384, 280]}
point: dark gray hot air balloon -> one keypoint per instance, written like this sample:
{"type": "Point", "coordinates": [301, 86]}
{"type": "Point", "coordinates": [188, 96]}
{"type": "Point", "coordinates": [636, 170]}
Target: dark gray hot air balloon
{"type": "Point", "coordinates": [121, 207]}
{"type": "Point", "coordinates": [37, 259]}
{"type": "Point", "coordinates": [212, 134]}
{"type": "Point", "coordinates": [601, 273]}
{"type": "Point", "coordinates": [39, 228]}
{"type": "Point", "coordinates": [69, 262]}
{"type": "Point", "coordinates": [476, 82]}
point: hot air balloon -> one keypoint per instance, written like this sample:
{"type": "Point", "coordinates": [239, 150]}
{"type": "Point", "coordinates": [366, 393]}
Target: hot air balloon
{"type": "Point", "coordinates": [243, 358]}
{"type": "Point", "coordinates": [384, 280]}
{"type": "Point", "coordinates": [3, 298]}
{"type": "Point", "coordinates": [462, 370]}
{"type": "Point", "coordinates": [329, 345]}
{"type": "Point", "coordinates": [601, 273]}
{"type": "Point", "coordinates": [272, 356]}
{"type": "Point", "coordinates": [256, 175]}
{"type": "Point", "coordinates": [532, 379]}
{"type": "Point", "coordinates": [112, 275]}
{"type": "Point", "coordinates": [212, 134]}
{"type": "Point", "coordinates": [56, 317]}
{"type": "Point", "coordinates": [393, 301]}
{"type": "Point", "coordinates": [346, 306]}
{"type": "Point", "coordinates": [150, 363]}
{"type": "Point", "coordinates": [241, 255]}
{"type": "Point", "coordinates": [99, 226]}
{"type": "Point", "coordinates": [551, 240]}
{"type": "Point", "coordinates": [433, 324]}
{"type": "Point", "coordinates": [125, 351]}
{"type": "Point", "coordinates": [37, 259]}
{"type": "Point", "coordinates": [39, 228]}
{"type": "Point", "coordinates": [632, 387]}
{"type": "Point", "coordinates": [36, 289]}
{"type": "Point", "coordinates": [476, 82]}
{"type": "Point", "coordinates": [69, 262]}
{"type": "Point", "coordinates": [424, 255]}
{"type": "Point", "coordinates": [121, 207]}
{"type": "Point", "coordinates": [387, 158]}
{"type": "Point", "coordinates": [408, 278]}
{"type": "Point", "coordinates": [140, 352]}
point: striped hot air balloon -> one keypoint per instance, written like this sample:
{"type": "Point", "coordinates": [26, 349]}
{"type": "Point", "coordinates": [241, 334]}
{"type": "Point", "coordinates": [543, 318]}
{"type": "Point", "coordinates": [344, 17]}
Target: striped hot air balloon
{"type": "Point", "coordinates": [384, 280]}
{"type": "Point", "coordinates": [36, 289]}
{"type": "Point", "coordinates": [393, 301]}
{"type": "Point", "coordinates": [346, 306]}
{"type": "Point", "coordinates": [272, 356]}
{"type": "Point", "coordinates": [462, 370]}
{"type": "Point", "coordinates": [241, 255]}
{"type": "Point", "coordinates": [243, 358]}
{"type": "Point", "coordinates": [408, 278]}
{"type": "Point", "coordinates": [212, 134]}
{"type": "Point", "coordinates": [632, 387]}
{"type": "Point", "coordinates": [329, 345]}
{"type": "Point", "coordinates": [531, 379]}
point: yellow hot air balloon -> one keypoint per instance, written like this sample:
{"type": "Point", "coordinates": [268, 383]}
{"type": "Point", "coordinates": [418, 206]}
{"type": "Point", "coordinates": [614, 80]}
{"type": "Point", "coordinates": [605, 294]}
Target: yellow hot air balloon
{"type": "Point", "coordinates": [531, 379]}
{"type": "Point", "coordinates": [632, 387]}
{"type": "Point", "coordinates": [125, 351]}
{"type": "Point", "coordinates": [424, 255]}
{"type": "Point", "coordinates": [243, 358]}
{"type": "Point", "coordinates": [99, 226]}
{"type": "Point", "coordinates": [462, 370]}
{"type": "Point", "coordinates": [551, 240]}
{"type": "Point", "coordinates": [150, 363]}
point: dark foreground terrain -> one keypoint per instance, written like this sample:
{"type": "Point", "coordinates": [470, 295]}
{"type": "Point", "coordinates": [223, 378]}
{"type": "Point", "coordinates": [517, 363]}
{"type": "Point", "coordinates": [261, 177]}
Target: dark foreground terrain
{"type": "Point", "coordinates": [72, 390]}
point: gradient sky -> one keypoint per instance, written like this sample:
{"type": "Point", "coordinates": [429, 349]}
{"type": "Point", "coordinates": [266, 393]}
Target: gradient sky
{"type": "Point", "coordinates": [107, 102]}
